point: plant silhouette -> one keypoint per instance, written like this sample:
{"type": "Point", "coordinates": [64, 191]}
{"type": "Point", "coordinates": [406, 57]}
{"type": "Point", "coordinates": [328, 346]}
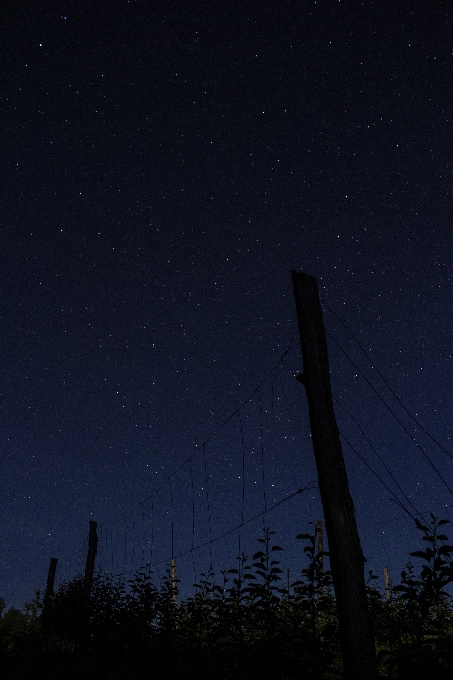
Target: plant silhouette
{"type": "Point", "coordinates": [239, 624]}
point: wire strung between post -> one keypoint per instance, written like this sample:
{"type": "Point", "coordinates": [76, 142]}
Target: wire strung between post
{"type": "Point", "coordinates": [133, 538]}
{"type": "Point", "coordinates": [143, 539]}
{"type": "Point", "coordinates": [111, 543]}
{"type": "Point", "coordinates": [105, 547]}
{"type": "Point", "coordinates": [152, 527]}
{"type": "Point", "coordinates": [212, 435]}
{"type": "Point", "coordinates": [243, 476]}
{"type": "Point", "coordinates": [172, 519]}
{"type": "Point", "coordinates": [310, 486]}
{"type": "Point", "coordinates": [395, 498]}
{"type": "Point", "coordinates": [207, 499]}
{"type": "Point", "coordinates": [378, 456]}
{"type": "Point", "coordinates": [262, 453]}
{"type": "Point", "coordinates": [394, 415]}
{"type": "Point", "coordinates": [125, 541]}
{"type": "Point", "coordinates": [117, 544]}
{"type": "Point", "coordinates": [193, 520]}
{"type": "Point", "coordinates": [386, 383]}
{"type": "Point", "coordinates": [114, 521]}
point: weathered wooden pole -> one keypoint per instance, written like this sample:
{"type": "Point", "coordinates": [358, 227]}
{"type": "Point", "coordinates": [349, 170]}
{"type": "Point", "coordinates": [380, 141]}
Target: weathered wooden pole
{"type": "Point", "coordinates": [50, 581]}
{"type": "Point", "coordinates": [346, 557]}
{"type": "Point", "coordinates": [388, 597]}
{"type": "Point", "coordinates": [91, 556]}
{"type": "Point", "coordinates": [47, 604]}
{"type": "Point", "coordinates": [174, 584]}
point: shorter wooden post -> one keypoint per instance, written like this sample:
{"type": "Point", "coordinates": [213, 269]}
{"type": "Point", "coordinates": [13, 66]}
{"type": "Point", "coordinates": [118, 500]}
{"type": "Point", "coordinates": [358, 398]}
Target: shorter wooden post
{"type": "Point", "coordinates": [50, 582]}
{"type": "Point", "coordinates": [387, 585]}
{"type": "Point", "coordinates": [91, 556]}
{"type": "Point", "coordinates": [174, 587]}
{"type": "Point", "coordinates": [48, 597]}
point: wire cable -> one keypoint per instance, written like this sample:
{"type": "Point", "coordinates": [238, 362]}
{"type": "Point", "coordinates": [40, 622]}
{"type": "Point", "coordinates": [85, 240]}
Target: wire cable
{"type": "Point", "coordinates": [378, 456]}
{"type": "Point", "coordinates": [396, 499]}
{"type": "Point", "coordinates": [386, 383]}
{"type": "Point", "coordinates": [247, 521]}
{"type": "Point", "coordinates": [211, 436]}
{"type": "Point", "coordinates": [393, 414]}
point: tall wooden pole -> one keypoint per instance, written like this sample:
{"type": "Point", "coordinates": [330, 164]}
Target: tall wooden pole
{"type": "Point", "coordinates": [346, 557]}
{"type": "Point", "coordinates": [91, 556]}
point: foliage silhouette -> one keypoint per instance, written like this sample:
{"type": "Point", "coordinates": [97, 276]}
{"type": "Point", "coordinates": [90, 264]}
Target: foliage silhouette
{"type": "Point", "coordinates": [241, 623]}
{"type": "Point", "coordinates": [415, 630]}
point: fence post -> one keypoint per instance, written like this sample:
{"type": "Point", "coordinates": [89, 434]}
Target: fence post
{"type": "Point", "coordinates": [346, 557]}
{"type": "Point", "coordinates": [50, 581]}
{"type": "Point", "coordinates": [387, 584]}
{"type": "Point", "coordinates": [91, 556]}
{"type": "Point", "coordinates": [174, 587]}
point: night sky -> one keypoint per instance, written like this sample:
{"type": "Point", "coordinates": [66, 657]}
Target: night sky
{"type": "Point", "coordinates": [165, 165]}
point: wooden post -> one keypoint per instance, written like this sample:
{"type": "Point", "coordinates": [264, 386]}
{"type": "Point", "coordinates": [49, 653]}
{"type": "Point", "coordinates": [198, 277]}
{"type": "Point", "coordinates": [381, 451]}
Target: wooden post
{"type": "Point", "coordinates": [346, 557]}
{"type": "Point", "coordinates": [387, 585]}
{"type": "Point", "coordinates": [174, 587]}
{"type": "Point", "coordinates": [48, 597]}
{"type": "Point", "coordinates": [50, 581]}
{"type": "Point", "coordinates": [91, 556]}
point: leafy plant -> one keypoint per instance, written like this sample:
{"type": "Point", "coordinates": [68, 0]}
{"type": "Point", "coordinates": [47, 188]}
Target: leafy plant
{"type": "Point", "coordinates": [416, 628]}
{"type": "Point", "coordinates": [239, 624]}
{"type": "Point", "coordinates": [263, 589]}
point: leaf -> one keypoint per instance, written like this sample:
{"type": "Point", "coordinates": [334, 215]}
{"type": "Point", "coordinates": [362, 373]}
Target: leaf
{"type": "Point", "coordinates": [304, 536]}
{"type": "Point", "coordinates": [445, 550]}
{"type": "Point", "coordinates": [423, 554]}
{"type": "Point", "coordinates": [438, 563]}
{"type": "Point", "coordinates": [258, 554]}
{"type": "Point", "coordinates": [399, 589]}
{"type": "Point", "coordinates": [420, 526]}
{"type": "Point", "coordinates": [260, 572]}
{"type": "Point", "coordinates": [276, 547]}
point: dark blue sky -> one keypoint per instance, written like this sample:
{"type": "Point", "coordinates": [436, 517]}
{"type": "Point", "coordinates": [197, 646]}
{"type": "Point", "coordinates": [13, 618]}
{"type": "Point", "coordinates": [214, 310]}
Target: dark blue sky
{"type": "Point", "coordinates": [164, 168]}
